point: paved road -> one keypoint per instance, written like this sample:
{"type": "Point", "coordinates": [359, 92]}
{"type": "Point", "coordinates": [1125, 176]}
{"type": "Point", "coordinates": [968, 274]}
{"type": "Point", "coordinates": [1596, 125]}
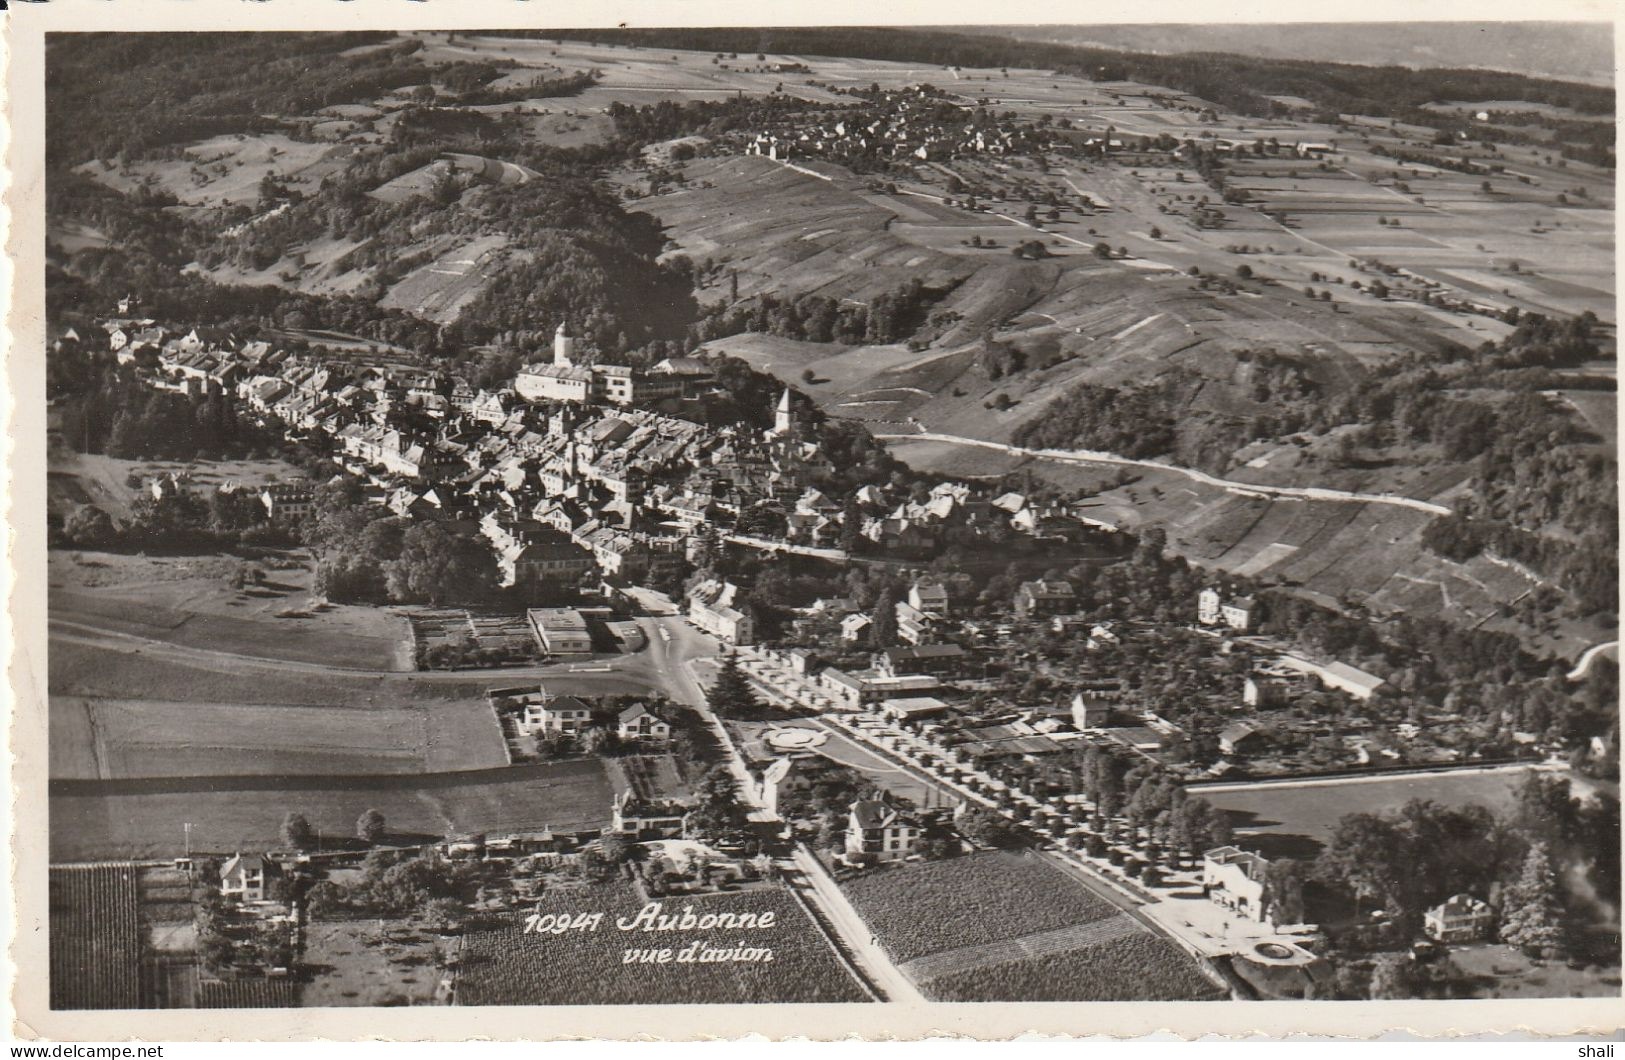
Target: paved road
{"type": "Point", "coordinates": [1584, 665]}
{"type": "Point", "coordinates": [860, 941]}
{"type": "Point", "coordinates": [1089, 456]}
{"type": "Point", "coordinates": [673, 661]}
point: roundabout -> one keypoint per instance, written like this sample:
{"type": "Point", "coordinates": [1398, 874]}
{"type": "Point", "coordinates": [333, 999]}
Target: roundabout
{"type": "Point", "coordinates": [794, 739]}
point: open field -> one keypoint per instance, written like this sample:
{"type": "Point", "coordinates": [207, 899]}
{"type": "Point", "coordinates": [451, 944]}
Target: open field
{"type": "Point", "coordinates": [309, 636]}
{"type": "Point", "coordinates": [227, 169]}
{"type": "Point", "coordinates": [1298, 818]}
{"type": "Point", "coordinates": [95, 478]}
{"type": "Point", "coordinates": [142, 818]}
{"type": "Point", "coordinates": [980, 898]}
{"type": "Point", "coordinates": [115, 739]}
{"type": "Point", "coordinates": [510, 967]}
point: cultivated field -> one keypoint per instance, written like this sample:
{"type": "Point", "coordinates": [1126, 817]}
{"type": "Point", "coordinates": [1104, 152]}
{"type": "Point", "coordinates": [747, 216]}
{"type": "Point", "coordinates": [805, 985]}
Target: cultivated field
{"type": "Point", "coordinates": [114, 739]}
{"type": "Point", "coordinates": [142, 818]}
{"type": "Point", "coordinates": [980, 899]}
{"type": "Point", "coordinates": [1013, 927]}
{"type": "Point", "coordinates": [95, 937]}
{"type": "Point", "coordinates": [1131, 967]}
{"type": "Point", "coordinates": [510, 967]}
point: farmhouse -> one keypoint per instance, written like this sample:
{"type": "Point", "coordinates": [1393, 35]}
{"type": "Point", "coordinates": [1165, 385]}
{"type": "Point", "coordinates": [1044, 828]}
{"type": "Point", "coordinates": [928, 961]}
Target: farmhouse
{"type": "Point", "coordinates": [856, 691]}
{"type": "Point", "coordinates": [1238, 614]}
{"type": "Point", "coordinates": [940, 660]}
{"type": "Point", "coordinates": [1234, 879]}
{"type": "Point", "coordinates": [931, 597]}
{"type": "Point", "coordinates": [1241, 738]}
{"type": "Point", "coordinates": [287, 502]}
{"type": "Point", "coordinates": [855, 628]}
{"type": "Point", "coordinates": [560, 630]}
{"type": "Point", "coordinates": [1212, 609]}
{"type": "Point", "coordinates": [1090, 711]}
{"type": "Point", "coordinates": [877, 829]}
{"type": "Point", "coordinates": [1341, 676]}
{"type": "Point", "coordinates": [913, 625]}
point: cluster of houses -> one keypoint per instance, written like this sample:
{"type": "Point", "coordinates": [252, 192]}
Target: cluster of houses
{"type": "Point", "coordinates": [905, 124]}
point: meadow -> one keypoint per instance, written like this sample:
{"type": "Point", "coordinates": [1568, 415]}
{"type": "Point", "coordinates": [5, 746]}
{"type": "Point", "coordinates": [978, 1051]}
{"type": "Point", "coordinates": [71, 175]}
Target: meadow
{"type": "Point", "coordinates": [1289, 814]}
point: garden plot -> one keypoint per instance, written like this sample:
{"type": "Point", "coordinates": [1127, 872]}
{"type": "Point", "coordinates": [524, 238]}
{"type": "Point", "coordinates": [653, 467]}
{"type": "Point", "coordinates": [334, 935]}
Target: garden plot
{"type": "Point", "coordinates": [352, 962]}
{"type": "Point", "coordinates": [458, 637]}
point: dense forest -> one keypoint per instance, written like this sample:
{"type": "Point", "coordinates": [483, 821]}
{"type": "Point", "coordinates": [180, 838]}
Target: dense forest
{"type": "Point", "coordinates": [131, 95]}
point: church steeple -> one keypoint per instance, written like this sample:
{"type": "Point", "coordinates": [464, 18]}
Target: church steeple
{"type": "Point", "coordinates": [784, 417]}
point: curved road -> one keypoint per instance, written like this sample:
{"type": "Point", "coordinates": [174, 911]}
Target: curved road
{"type": "Point", "coordinates": [1582, 667]}
{"type": "Point", "coordinates": [1089, 456]}
{"type": "Point", "coordinates": [672, 660]}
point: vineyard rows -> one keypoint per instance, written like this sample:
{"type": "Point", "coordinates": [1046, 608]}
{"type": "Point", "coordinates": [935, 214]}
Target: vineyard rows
{"type": "Point", "coordinates": [965, 958]}
{"type": "Point", "coordinates": [920, 909]}
{"type": "Point", "coordinates": [246, 993]}
{"type": "Point", "coordinates": [95, 937]}
{"type": "Point", "coordinates": [511, 967]}
{"type": "Point", "coordinates": [1134, 967]}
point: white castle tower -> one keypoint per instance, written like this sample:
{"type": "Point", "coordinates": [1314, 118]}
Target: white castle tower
{"type": "Point", "coordinates": [564, 347]}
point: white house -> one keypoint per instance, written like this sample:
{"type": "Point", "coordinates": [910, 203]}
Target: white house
{"type": "Point", "coordinates": [878, 829]}
{"type": "Point", "coordinates": [638, 722]}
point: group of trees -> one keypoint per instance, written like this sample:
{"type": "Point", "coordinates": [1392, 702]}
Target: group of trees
{"type": "Point", "coordinates": [731, 695]}
{"type": "Point", "coordinates": [1134, 422]}
{"type": "Point", "coordinates": [890, 316]}
{"type": "Point", "coordinates": [107, 410]}
{"type": "Point", "coordinates": [1550, 865]}
{"type": "Point", "coordinates": [183, 87]}
{"type": "Point", "coordinates": [366, 553]}
{"type": "Point", "coordinates": [396, 883]}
